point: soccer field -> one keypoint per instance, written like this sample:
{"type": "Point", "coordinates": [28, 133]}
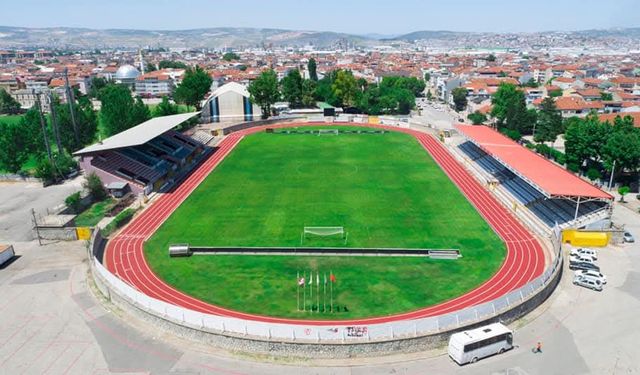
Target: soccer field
{"type": "Point", "coordinates": [384, 189]}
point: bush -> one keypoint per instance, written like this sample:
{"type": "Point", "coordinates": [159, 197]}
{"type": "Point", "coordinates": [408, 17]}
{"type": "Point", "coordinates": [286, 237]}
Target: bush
{"type": "Point", "coordinates": [593, 174]}
{"type": "Point", "coordinates": [73, 202]}
{"type": "Point", "coordinates": [573, 167]}
{"type": "Point", "coordinates": [45, 171]}
{"type": "Point", "coordinates": [623, 190]}
{"type": "Point", "coordinates": [95, 188]}
{"type": "Point", "coordinates": [513, 134]}
{"type": "Point", "coordinates": [121, 219]}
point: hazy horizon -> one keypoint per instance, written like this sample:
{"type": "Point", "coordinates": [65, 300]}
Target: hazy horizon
{"type": "Point", "coordinates": [355, 17]}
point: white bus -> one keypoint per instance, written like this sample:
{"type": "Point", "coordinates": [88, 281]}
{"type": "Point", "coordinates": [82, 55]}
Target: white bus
{"type": "Point", "coordinates": [472, 345]}
{"type": "Point", "coordinates": [6, 253]}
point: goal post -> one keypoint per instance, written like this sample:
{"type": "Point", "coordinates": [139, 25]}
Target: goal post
{"type": "Point", "coordinates": [323, 232]}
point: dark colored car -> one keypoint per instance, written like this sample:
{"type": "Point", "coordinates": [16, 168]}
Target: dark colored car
{"type": "Point", "coordinates": [585, 266]}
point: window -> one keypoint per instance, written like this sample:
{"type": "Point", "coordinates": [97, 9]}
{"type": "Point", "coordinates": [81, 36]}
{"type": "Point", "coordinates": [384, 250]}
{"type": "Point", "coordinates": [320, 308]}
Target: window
{"type": "Point", "coordinates": [489, 341]}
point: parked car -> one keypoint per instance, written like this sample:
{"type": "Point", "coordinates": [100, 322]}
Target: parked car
{"type": "Point", "coordinates": [585, 251]}
{"type": "Point", "coordinates": [592, 273]}
{"type": "Point", "coordinates": [588, 283]}
{"type": "Point", "coordinates": [585, 266]}
{"type": "Point", "coordinates": [581, 258]}
{"type": "Point", "coordinates": [628, 237]}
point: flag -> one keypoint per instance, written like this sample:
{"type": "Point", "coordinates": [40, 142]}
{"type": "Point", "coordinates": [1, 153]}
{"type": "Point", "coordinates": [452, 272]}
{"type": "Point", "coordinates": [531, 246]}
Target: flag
{"type": "Point", "coordinates": [301, 281]}
{"type": "Point", "coordinates": [311, 278]}
{"type": "Point", "coordinates": [332, 277]}
{"type": "Point", "coordinates": [325, 279]}
{"type": "Point", "coordinates": [318, 278]}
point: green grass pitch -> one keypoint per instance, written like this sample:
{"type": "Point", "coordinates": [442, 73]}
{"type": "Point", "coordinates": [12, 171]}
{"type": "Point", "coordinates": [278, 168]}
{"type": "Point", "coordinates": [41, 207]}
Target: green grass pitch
{"type": "Point", "coordinates": [383, 188]}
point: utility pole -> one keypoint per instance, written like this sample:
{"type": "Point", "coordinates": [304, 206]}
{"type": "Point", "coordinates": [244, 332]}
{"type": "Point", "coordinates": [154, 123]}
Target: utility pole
{"type": "Point", "coordinates": [70, 100]}
{"type": "Point", "coordinates": [613, 169]}
{"type": "Point", "coordinates": [43, 126]}
{"type": "Point", "coordinates": [54, 124]}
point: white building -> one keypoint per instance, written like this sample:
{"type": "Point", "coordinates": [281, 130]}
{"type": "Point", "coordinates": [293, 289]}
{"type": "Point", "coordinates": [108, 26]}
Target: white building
{"type": "Point", "coordinates": [230, 102]}
{"type": "Point", "coordinates": [158, 83]}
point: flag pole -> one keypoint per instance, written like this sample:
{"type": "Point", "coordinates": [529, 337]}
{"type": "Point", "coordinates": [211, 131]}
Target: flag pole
{"type": "Point", "coordinates": [304, 293]}
{"type": "Point", "coordinates": [324, 294]}
{"type": "Point", "coordinates": [311, 290]}
{"type": "Point", "coordinates": [318, 290]}
{"type": "Point", "coordinates": [331, 287]}
{"type": "Point", "coordinates": [298, 291]}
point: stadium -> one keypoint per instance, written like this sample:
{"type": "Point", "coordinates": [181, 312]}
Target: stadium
{"type": "Point", "coordinates": [341, 225]}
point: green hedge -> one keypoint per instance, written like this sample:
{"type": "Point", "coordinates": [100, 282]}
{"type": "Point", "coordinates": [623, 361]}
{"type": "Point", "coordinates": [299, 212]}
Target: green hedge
{"type": "Point", "coordinates": [121, 219]}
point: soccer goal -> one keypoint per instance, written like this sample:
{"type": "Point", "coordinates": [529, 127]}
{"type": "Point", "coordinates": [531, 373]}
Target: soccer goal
{"type": "Point", "coordinates": [323, 232]}
{"type": "Point", "coordinates": [328, 132]}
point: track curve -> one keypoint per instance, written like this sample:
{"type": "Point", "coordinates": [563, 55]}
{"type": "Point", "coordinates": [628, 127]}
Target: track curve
{"type": "Point", "coordinates": [524, 261]}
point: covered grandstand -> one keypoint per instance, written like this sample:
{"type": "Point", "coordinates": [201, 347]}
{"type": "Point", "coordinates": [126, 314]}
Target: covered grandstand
{"type": "Point", "coordinates": [550, 192]}
{"type": "Point", "coordinates": [148, 157]}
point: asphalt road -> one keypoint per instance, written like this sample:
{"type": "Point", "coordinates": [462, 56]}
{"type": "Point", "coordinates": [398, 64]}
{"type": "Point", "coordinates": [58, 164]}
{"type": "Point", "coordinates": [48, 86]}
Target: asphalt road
{"type": "Point", "coordinates": [53, 323]}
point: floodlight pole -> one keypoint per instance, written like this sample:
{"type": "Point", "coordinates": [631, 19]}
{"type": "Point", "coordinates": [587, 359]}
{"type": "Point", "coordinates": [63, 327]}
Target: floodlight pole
{"type": "Point", "coordinates": [70, 100]}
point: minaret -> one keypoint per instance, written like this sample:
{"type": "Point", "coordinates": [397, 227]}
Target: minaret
{"type": "Point", "coordinates": [141, 61]}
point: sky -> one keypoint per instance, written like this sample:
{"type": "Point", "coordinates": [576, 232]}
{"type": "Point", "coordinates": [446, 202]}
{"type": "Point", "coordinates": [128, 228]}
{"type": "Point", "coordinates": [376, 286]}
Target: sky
{"type": "Point", "coordinates": [350, 16]}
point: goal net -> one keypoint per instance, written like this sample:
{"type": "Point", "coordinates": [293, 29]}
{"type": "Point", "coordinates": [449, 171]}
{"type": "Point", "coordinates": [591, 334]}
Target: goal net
{"type": "Point", "coordinates": [328, 132]}
{"type": "Point", "coordinates": [323, 232]}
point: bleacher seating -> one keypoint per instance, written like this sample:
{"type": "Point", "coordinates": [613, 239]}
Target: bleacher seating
{"type": "Point", "coordinates": [118, 164]}
{"type": "Point", "coordinates": [549, 210]}
{"type": "Point", "coordinates": [202, 137]}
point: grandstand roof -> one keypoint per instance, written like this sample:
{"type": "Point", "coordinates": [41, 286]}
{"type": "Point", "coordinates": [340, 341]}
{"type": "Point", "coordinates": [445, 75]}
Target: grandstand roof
{"type": "Point", "coordinates": [139, 134]}
{"type": "Point", "coordinates": [540, 172]}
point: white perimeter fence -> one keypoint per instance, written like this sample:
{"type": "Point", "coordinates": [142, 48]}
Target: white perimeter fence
{"type": "Point", "coordinates": [507, 307]}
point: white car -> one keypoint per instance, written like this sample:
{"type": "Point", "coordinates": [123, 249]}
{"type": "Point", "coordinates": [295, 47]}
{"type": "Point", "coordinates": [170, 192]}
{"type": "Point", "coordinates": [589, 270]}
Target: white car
{"type": "Point", "coordinates": [585, 251]}
{"type": "Point", "coordinates": [588, 283]}
{"type": "Point", "coordinates": [628, 237]}
{"type": "Point", "coordinates": [581, 258]}
{"type": "Point", "coordinates": [591, 273]}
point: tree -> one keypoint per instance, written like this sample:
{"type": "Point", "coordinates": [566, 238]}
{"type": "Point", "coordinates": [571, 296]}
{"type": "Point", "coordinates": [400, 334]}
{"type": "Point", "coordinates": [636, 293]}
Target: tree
{"type": "Point", "coordinates": [169, 64]}
{"type": "Point", "coordinates": [95, 188]}
{"type": "Point", "coordinates": [477, 118]}
{"type": "Point", "coordinates": [459, 95]}
{"type": "Point", "coordinates": [623, 190]}
{"type": "Point", "coordinates": [549, 124]}
{"type": "Point", "coordinates": [429, 95]}
{"type": "Point", "coordinates": [345, 88]}
{"type": "Point", "coordinates": [116, 110]}
{"type": "Point", "coordinates": [531, 83]}
{"type": "Point", "coordinates": [427, 77]}
{"type": "Point", "coordinates": [97, 84]}
{"type": "Point", "coordinates": [606, 96]}
{"type": "Point", "coordinates": [165, 108]}
{"type": "Point", "coordinates": [140, 112]}
{"type": "Point", "coordinates": [510, 109]}
{"type": "Point", "coordinates": [86, 123]}
{"type": "Point", "coordinates": [308, 90]}
{"type": "Point", "coordinates": [264, 91]}
{"type": "Point", "coordinates": [194, 86]}
{"type": "Point", "coordinates": [593, 174]}
{"type": "Point", "coordinates": [491, 58]}
{"type": "Point", "coordinates": [14, 149]}
{"type": "Point", "coordinates": [230, 56]}
{"type": "Point", "coordinates": [8, 105]}
{"type": "Point", "coordinates": [585, 140]}
{"type": "Point", "coordinates": [292, 88]}
{"type": "Point", "coordinates": [415, 85]}
{"type": "Point", "coordinates": [312, 67]}
{"type": "Point", "coordinates": [555, 93]}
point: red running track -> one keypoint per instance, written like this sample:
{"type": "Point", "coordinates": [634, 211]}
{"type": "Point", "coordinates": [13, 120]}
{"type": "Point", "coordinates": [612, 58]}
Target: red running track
{"type": "Point", "coordinates": [524, 259]}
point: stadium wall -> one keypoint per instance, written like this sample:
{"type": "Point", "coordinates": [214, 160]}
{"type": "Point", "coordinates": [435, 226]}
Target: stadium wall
{"type": "Point", "coordinates": [300, 340]}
